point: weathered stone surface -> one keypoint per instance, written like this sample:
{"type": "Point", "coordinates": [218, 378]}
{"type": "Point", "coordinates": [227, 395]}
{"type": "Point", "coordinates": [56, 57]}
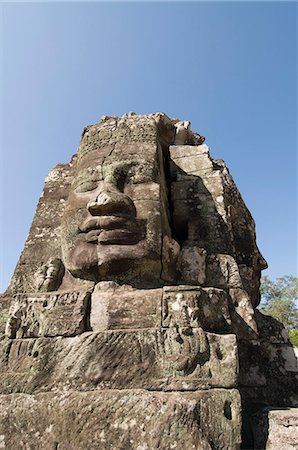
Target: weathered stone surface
{"type": "Point", "coordinates": [217, 218]}
{"type": "Point", "coordinates": [114, 307]}
{"type": "Point", "coordinates": [132, 420]}
{"type": "Point", "coordinates": [222, 271]}
{"type": "Point", "coordinates": [43, 241]}
{"type": "Point", "coordinates": [145, 261]}
{"type": "Point", "coordinates": [283, 429]}
{"type": "Point", "coordinates": [150, 359]}
{"type": "Point", "coordinates": [5, 302]}
{"type": "Point", "coordinates": [170, 255]}
{"type": "Point", "coordinates": [276, 428]}
{"type": "Point", "coordinates": [54, 314]}
{"type": "Point", "coordinates": [185, 151]}
{"type": "Point", "coordinates": [131, 151]}
{"type": "Point", "coordinates": [243, 319]}
{"type": "Point", "coordinates": [192, 159]}
{"type": "Point", "coordinates": [272, 368]}
{"type": "Point", "coordinates": [187, 306]}
{"type": "Point", "coordinates": [271, 329]}
{"type": "Point", "coordinates": [192, 264]}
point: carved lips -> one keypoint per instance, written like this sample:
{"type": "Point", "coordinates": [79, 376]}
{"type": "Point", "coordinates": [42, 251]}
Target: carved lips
{"type": "Point", "coordinates": [119, 229]}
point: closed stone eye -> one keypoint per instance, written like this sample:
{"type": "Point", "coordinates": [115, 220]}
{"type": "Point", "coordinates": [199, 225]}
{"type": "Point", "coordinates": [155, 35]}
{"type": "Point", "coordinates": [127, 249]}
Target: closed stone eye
{"type": "Point", "coordinates": [88, 186]}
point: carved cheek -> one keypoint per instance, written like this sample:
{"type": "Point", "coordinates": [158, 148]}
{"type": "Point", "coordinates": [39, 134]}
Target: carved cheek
{"type": "Point", "coordinates": [78, 201]}
{"type": "Point", "coordinates": [76, 210]}
{"type": "Point", "coordinates": [71, 221]}
{"type": "Point", "coordinates": [84, 256]}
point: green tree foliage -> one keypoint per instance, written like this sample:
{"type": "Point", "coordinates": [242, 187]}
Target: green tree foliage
{"type": "Point", "coordinates": [293, 335]}
{"type": "Point", "coordinates": [279, 299]}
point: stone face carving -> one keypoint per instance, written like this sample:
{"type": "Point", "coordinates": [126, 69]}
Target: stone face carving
{"type": "Point", "coordinates": [134, 295]}
{"type": "Point", "coordinates": [49, 276]}
{"type": "Point", "coordinates": [110, 225]}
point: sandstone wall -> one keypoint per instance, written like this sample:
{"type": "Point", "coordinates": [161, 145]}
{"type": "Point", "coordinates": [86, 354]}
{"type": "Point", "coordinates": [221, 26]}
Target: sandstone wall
{"type": "Point", "coordinates": [130, 321]}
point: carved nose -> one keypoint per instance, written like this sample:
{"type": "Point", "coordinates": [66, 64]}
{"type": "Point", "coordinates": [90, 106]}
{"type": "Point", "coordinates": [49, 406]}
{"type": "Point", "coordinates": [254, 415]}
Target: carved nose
{"type": "Point", "coordinates": [112, 203]}
{"type": "Point", "coordinates": [262, 263]}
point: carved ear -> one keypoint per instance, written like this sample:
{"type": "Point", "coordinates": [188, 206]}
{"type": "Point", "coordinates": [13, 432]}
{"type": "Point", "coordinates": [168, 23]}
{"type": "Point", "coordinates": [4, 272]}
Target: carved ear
{"type": "Point", "coordinates": [186, 124]}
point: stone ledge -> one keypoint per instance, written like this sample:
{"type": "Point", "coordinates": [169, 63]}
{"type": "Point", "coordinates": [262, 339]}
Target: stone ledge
{"type": "Point", "coordinates": [117, 307]}
{"type": "Point", "coordinates": [114, 420]}
{"type": "Point", "coordinates": [48, 314]}
{"type": "Point", "coordinates": [155, 359]}
{"type": "Point", "coordinates": [276, 428]}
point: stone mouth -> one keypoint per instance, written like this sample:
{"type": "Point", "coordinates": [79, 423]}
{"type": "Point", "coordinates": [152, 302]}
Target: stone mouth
{"type": "Point", "coordinates": [120, 229]}
{"type": "Point", "coordinates": [107, 223]}
{"type": "Point", "coordinates": [118, 237]}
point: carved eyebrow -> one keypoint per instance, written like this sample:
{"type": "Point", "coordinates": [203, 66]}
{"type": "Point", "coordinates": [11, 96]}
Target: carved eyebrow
{"type": "Point", "coordinates": [93, 174]}
{"type": "Point", "coordinates": [86, 186]}
{"type": "Point", "coordinates": [123, 167]}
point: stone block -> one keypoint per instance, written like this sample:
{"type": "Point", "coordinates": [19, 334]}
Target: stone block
{"type": "Point", "coordinates": [194, 160]}
{"type": "Point", "coordinates": [5, 302]}
{"type": "Point", "coordinates": [193, 359]}
{"type": "Point", "coordinates": [275, 428]}
{"type": "Point", "coordinates": [170, 254]}
{"type": "Point", "coordinates": [99, 154]}
{"type": "Point", "coordinates": [48, 314]}
{"type": "Point", "coordinates": [141, 150]}
{"type": "Point", "coordinates": [243, 317]}
{"type": "Point", "coordinates": [184, 190]}
{"type": "Point", "coordinates": [222, 272]}
{"type": "Point", "coordinates": [151, 359]}
{"type": "Point", "coordinates": [182, 151]}
{"type": "Point", "coordinates": [250, 278]}
{"type": "Point", "coordinates": [119, 307]}
{"type": "Point", "coordinates": [283, 429]}
{"type": "Point", "coordinates": [269, 371]}
{"type": "Point", "coordinates": [144, 191]}
{"type": "Point", "coordinates": [117, 420]}
{"type": "Point", "coordinates": [189, 306]}
{"type": "Point", "coordinates": [192, 264]}
{"type": "Point", "coordinates": [271, 329]}
{"type": "Point", "coordinates": [194, 165]}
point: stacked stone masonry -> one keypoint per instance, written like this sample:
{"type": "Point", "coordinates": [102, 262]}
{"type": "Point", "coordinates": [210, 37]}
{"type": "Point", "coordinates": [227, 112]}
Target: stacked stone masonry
{"type": "Point", "coordinates": [130, 321]}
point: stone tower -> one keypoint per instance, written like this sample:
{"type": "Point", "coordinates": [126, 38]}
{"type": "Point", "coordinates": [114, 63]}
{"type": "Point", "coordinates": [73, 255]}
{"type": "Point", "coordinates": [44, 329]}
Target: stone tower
{"type": "Point", "coordinates": [130, 321]}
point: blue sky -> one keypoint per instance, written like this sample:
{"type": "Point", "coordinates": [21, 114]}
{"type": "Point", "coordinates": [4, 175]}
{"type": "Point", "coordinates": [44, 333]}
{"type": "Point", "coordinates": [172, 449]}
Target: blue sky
{"type": "Point", "coordinates": [228, 67]}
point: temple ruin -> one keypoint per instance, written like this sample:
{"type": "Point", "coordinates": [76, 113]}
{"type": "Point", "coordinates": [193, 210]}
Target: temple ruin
{"type": "Point", "coordinates": [130, 322]}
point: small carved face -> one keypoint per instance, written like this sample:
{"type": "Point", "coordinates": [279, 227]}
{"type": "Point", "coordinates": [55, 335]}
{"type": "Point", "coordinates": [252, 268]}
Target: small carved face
{"type": "Point", "coordinates": [49, 276]}
{"type": "Point", "coordinates": [112, 224]}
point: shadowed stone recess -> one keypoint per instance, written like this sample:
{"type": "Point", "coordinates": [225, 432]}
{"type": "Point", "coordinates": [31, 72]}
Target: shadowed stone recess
{"type": "Point", "coordinates": [130, 321]}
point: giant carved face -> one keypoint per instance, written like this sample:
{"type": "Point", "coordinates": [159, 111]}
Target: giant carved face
{"type": "Point", "coordinates": [115, 217]}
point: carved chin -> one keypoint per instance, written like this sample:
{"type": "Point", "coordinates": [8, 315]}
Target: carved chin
{"type": "Point", "coordinates": [82, 259]}
{"type": "Point", "coordinates": [95, 261]}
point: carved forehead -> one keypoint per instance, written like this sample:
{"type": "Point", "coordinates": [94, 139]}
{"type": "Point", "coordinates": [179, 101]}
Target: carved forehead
{"type": "Point", "coordinates": [119, 131]}
{"type": "Point", "coordinates": [138, 160]}
{"type": "Point", "coordinates": [91, 173]}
